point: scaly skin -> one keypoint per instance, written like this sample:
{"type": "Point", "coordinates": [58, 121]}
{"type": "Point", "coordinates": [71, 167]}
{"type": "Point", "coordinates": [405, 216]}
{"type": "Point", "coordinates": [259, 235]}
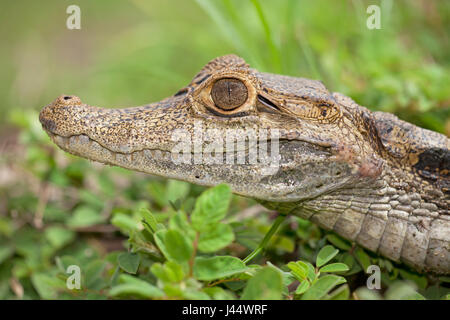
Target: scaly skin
{"type": "Point", "coordinates": [368, 176]}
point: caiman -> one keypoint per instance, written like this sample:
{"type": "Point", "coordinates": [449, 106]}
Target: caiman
{"type": "Point", "coordinates": [368, 176]}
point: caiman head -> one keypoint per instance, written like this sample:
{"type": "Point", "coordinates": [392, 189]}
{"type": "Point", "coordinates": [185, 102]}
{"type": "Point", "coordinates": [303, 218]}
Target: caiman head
{"type": "Point", "coordinates": [270, 137]}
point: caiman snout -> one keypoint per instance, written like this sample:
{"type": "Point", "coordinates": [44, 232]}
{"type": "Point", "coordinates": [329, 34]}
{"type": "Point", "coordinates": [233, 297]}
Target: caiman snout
{"type": "Point", "coordinates": [123, 130]}
{"type": "Point", "coordinates": [58, 112]}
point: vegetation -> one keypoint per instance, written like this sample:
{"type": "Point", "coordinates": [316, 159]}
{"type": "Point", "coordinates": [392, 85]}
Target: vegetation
{"type": "Point", "coordinates": [136, 236]}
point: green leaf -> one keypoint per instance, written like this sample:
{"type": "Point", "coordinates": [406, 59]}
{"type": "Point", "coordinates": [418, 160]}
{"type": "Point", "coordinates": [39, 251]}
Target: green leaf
{"type": "Point", "coordinates": [341, 293]}
{"type": "Point", "coordinates": [47, 286]}
{"type": "Point", "coordinates": [158, 270]}
{"type": "Point", "coordinates": [435, 292]}
{"type": "Point", "coordinates": [311, 271]}
{"type": "Point", "coordinates": [180, 221]}
{"type": "Point", "coordinates": [171, 271]}
{"type": "Point", "coordinates": [92, 275]}
{"type": "Point", "coordinates": [322, 286]}
{"type": "Point", "coordinates": [444, 279]}
{"type": "Point", "coordinates": [363, 258]}
{"type": "Point", "coordinates": [124, 222]}
{"type": "Point", "coordinates": [334, 267]}
{"type": "Point", "coordinates": [302, 270]}
{"type": "Point", "coordinates": [326, 254]}
{"type": "Point", "coordinates": [107, 186]}
{"type": "Point", "coordinates": [128, 279]}
{"type": "Point", "coordinates": [135, 287]}
{"type": "Point", "coordinates": [215, 238]}
{"type": "Point", "coordinates": [267, 284]}
{"type": "Point", "coordinates": [157, 192]}
{"type": "Point", "coordinates": [159, 237]}
{"type": "Point", "coordinates": [192, 294]}
{"type": "Point", "coordinates": [6, 227]}
{"type": "Point", "coordinates": [59, 237]}
{"type": "Point", "coordinates": [176, 190]}
{"type": "Point", "coordinates": [288, 277]}
{"type": "Point", "coordinates": [414, 296]}
{"type": "Point", "coordinates": [174, 271]}
{"type": "Point", "coordinates": [179, 247]}
{"type": "Point", "coordinates": [129, 262]}
{"type": "Point", "coordinates": [218, 293]}
{"type": "Point", "coordinates": [299, 271]}
{"type": "Point", "coordinates": [420, 280]}
{"type": "Point", "coordinates": [367, 294]}
{"type": "Point", "coordinates": [84, 217]}
{"type": "Point", "coordinates": [66, 261]}
{"type": "Point", "coordinates": [351, 262]}
{"type": "Point", "coordinates": [217, 267]}
{"type": "Point", "coordinates": [304, 285]}
{"type": "Point", "coordinates": [339, 242]}
{"type": "Point", "coordinates": [91, 199]}
{"type": "Point", "coordinates": [403, 290]}
{"type": "Point", "coordinates": [282, 243]}
{"type": "Point", "coordinates": [211, 207]}
{"type": "Point", "coordinates": [5, 253]}
{"type": "Point", "coordinates": [149, 220]}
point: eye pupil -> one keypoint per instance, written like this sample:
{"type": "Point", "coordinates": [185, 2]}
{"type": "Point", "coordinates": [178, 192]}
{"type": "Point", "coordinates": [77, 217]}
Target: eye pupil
{"type": "Point", "coordinates": [229, 93]}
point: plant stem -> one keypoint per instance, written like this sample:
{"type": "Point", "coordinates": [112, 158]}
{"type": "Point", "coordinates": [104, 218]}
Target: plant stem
{"type": "Point", "coordinates": [266, 239]}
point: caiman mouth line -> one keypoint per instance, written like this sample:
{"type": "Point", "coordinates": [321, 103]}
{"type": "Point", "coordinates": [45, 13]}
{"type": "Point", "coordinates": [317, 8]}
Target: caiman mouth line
{"type": "Point", "coordinates": [82, 144]}
{"type": "Point", "coordinates": [82, 139]}
{"type": "Point", "coordinates": [67, 142]}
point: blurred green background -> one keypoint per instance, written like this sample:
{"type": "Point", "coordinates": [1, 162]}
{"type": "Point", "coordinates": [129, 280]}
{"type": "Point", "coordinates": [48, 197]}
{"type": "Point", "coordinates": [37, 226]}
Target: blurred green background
{"type": "Point", "coordinates": [134, 52]}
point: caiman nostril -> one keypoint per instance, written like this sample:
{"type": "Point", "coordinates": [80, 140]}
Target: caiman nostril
{"type": "Point", "coordinates": [66, 100]}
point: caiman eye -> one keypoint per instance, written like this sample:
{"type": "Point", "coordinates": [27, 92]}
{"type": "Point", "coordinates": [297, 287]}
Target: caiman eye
{"type": "Point", "coordinates": [229, 93]}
